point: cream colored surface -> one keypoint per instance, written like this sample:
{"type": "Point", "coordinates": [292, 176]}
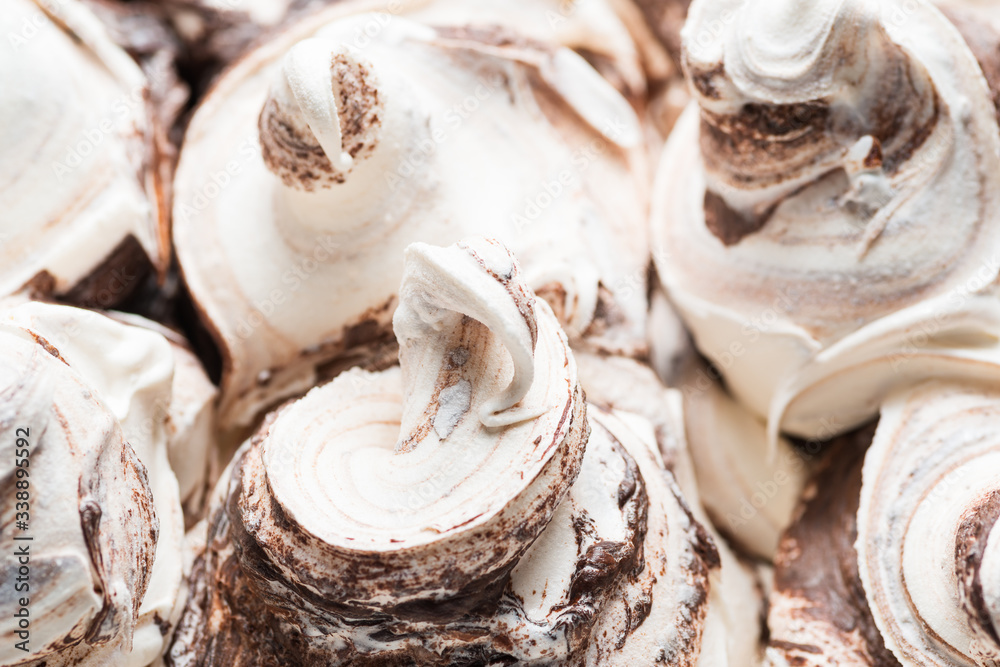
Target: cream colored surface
{"type": "Point", "coordinates": [636, 397]}
{"type": "Point", "coordinates": [932, 467]}
{"type": "Point", "coordinates": [281, 272]}
{"type": "Point", "coordinates": [128, 371]}
{"type": "Point", "coordinates": [856, 271]}
{"type": "Point", "coordinates": [750, 491]}
{"type": "Point", "coordinates": [75, 157]}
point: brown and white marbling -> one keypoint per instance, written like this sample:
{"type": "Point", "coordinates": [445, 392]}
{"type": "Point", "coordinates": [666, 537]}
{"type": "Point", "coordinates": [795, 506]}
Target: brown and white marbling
{"type": "Point", "coordinates": [928, 534]}
{"type": "Point", "coordinates": [893, 562]}
{"type": "Point", "coordinates": [464, 507]}
{"type": "Point", "coordinates": [107, 572]}
{"type": "Point", "coordinates": [808, 188]}
{"type": "Point", "coordinates": [818, 611]}
{"type": "Point", "coordinates": [632, 391]}
{"type": "Point", "coordinates": [342, 154]}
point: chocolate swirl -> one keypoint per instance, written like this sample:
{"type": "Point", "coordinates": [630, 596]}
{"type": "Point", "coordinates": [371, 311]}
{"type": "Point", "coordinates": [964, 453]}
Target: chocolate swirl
{"type": "Point", "coordinates": [818, 612]}
{"type": "Point", "coordinates": [894, 562]}
{"type": "Point", "coordinates": [461, 508]}
{"type": "Point", "coordinates": [833, 141]}
{"type": "Point", "coordinates": [927, 524]}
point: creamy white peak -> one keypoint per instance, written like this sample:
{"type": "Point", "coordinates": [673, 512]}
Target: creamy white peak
{"type": "Point", "coordinates": [77, 168]}
{"type": "Point", "coordinates": [300, 245]}
{"type": "Point", "coordinates": [467, 321]}
{"type": "Point", "coordinates": [840, 220]}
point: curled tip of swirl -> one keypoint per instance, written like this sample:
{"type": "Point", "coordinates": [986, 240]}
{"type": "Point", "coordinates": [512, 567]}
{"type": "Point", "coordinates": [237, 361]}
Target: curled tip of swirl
{"type": "Point", "coordinates": [465, 507]}
{"type": "Point", "coordinates": [322, 115]}
{"type": "Point", "coordinates": [466, 463]}
{"type": "Point", "coordinates": [787, 91]}
{"type": "Point", "coordinates": [480, 279]}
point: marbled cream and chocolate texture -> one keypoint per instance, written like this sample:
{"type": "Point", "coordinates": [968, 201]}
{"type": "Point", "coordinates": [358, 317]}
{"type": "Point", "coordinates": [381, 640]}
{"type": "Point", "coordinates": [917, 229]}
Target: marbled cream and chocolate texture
{"type": "Point", "coordinates": [293, 265]}
{"type": "Point", "coordinates": [844, 198]}
{"type": "Point", "coordinates": [106, 519]}
{"type": "Point", "coordinates": [818, 611]}
{"type": "Point", "coordinates": [893, 562]}
{"type": "Point", "coordinates": [928, 537]}
{"type": "Point", "coordinates": [465, 507]}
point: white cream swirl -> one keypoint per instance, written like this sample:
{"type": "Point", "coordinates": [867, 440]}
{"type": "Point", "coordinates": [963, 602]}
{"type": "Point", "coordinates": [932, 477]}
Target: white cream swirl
{"type": "Point", "coordinates": [365, 149]}
{"type": "Point", "coordinates": [79, 180]}
{"type": "Point", "coordinates": [928, 531]}
{"type": "Point", "coordinates": [892, 557]}
{"type": "Point", "coordinates": [457, 508]}
{"type": "Point", "coordinates": [189, 419]}
{"type": "Point", "coordinates": [631, 391]}
{"type": "Point", "coordinates": [431, 495]}
{"type": "Point", "coordinates": [103, 491]}
{"type": "Point", "coordinates": [843, 206]}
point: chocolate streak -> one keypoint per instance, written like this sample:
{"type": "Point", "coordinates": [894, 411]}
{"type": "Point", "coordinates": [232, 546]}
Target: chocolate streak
{"type": "Point", "coordinates": [114, 279]}
{"type": "Point", "coordinates": [666, 18]}
{"type": "Point", "coordinates": [970, 546]}
{"type": "Point", "coordinates": [289, 147]}
{"type": "Point", "coordinates": [243, 611]}
{"type": "Point", "coordinates": [765, 145]}
{"type": "Point", "coordinates": [816, 570]}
